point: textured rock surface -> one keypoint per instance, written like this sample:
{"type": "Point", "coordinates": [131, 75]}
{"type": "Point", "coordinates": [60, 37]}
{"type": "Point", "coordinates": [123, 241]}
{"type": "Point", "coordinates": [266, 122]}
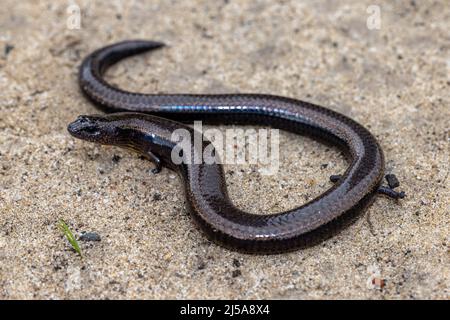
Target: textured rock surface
{"type": "Point", "coordinates": [394, 80]}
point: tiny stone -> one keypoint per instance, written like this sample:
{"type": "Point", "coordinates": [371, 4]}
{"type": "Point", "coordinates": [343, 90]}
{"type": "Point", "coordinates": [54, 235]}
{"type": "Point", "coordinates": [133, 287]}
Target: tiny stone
{"type": "Point", "coordinates": [379, 283]}
{"type": "Point", "coordinates": [156, 197]}
{"type": "Point", "coordinates": [8, 49]}
{"type": "Point", "coordinates": [236, 273]}
{"type": "Point", "coordinates": [90, 236]}
{"type": "Point", "coordinates": [201, 265]}
{"type": "Point", "coordinates": [236, 263]}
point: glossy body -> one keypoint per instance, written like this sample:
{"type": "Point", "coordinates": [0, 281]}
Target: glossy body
{"type": "Point", "coordinates": [205, 186]}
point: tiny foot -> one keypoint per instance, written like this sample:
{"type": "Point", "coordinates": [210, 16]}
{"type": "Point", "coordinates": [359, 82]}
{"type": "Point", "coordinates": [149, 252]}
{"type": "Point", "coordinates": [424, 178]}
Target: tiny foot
{"type": "Point", "coordinates": [392, 181]}
{"type": "Point", "coordinates": [391, 193]}
{"type": "Point", "coordinates": [335, 177]}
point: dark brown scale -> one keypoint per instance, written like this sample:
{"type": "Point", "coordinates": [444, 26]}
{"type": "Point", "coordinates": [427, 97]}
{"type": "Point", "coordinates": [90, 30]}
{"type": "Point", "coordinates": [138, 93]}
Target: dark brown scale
{"type": "Point", "coordinates": [206, 191]}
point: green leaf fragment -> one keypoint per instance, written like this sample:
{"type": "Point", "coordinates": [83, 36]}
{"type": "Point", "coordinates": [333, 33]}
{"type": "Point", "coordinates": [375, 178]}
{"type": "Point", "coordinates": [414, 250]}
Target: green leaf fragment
{"type": "Point", "coordinates": [69, 235]}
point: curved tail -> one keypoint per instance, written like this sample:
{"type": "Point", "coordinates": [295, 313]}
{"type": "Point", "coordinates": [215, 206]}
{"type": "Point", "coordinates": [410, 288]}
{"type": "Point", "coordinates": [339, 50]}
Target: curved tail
{"type": "Point", "coordinates": [103, 58]}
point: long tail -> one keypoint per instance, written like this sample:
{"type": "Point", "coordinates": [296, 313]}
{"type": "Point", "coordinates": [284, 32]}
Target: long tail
{"type": "Point", "coordinates": [103, 58]}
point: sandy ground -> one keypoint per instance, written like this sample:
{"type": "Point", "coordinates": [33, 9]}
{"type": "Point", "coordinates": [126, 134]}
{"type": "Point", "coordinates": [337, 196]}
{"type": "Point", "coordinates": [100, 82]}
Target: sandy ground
{"type": "Point", "coordinates": [394, 80]}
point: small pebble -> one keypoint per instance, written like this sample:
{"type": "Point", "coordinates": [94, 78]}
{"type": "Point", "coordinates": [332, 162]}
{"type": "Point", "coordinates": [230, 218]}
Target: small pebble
{"type": "Point", "coordinates": [8, 49]}
{"type": "Point", "coordinates": [116, 158]}
{"type": "Point", "coordinates": [236, 273]}
{"type": "Point", "coordinates": [378, 283]}
{"type": "Point", "coordinates": [156, 197]}
{"type": "Point", "coordinates": [201, 265]}
{"type": "Point", "coordinates": [90, 236]}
